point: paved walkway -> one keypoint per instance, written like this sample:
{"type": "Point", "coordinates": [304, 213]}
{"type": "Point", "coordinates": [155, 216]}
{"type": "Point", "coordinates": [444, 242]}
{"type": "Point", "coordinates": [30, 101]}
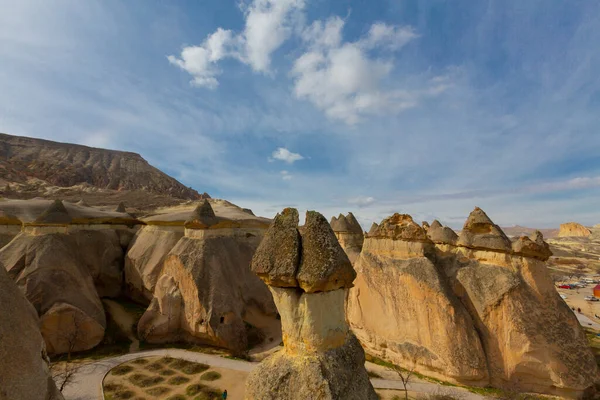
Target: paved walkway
{"type": "Point", "coordinates": [88, 380]}
{"type": "Point", "coordinates": [587, 322]}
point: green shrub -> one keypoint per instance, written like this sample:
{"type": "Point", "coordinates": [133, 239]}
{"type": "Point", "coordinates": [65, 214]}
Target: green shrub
{"type": "Point", "coordinates": [142, 380]}
{"type": "Point", "coordinates": [194, 389]}
{"type": "Point", "coordinates": [210, 376]}
{"type": "Point", "coordinates": [121, 395]}
{"type": "Point", "coordinates": [189, 367]}
{"type": "Point", "coordinates": [178, 397]}
{"type": "Point", "coordinates": [167, 360]}
{"type": "Point", "coordinates": [121, 370]}
{"type": "Point", "coordinates": [178, 380]}
{"type": "Point", "coordinates": [158, 391]}
{"type": "Point", "coordinates": [140, 361]}
{"type": "Point", "coordinates": [373, 374]}
{"type": "Point", "coordinates": [154, 367]}
{"type": "Point", "coordinates": [167, 372]}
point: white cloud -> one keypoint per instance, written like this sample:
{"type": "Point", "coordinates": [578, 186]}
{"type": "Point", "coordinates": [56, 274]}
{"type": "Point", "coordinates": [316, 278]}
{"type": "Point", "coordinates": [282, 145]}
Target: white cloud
{"type": "Point", "coordinates": [284, 154]}
{"type": "Point", "coordinates": [362, 201]}
{"type": "Point", "coordinates": [285, 175]}
{"type": "Point", "coordinates": [343, 79]}
{"type": "Point", "coordinates": [268, 24]}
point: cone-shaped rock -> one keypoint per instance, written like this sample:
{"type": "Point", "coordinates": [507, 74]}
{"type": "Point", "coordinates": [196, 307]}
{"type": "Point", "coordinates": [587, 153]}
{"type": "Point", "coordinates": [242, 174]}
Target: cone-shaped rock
{"type": "Point", "coordinates": [55, 214]}
{"type": "Point", "coordinates": [324, 265]}
{"type": "Point", "coordinates": [441, 234]}
{"type": "Point", "coordinates": [479, 232]}
{"type": "Point", "coordinates": [8, 219]}
{"type": "Point", "coordinates": [121, 208]}
{"type": "Point", "coordinates": [202, 217]}
{"type": "Point", "coordinates": [399, 227]}
{"type": "Point", "coordinates": [425, 225]}
{"type": "Point", "coordinates": [373, 229]}
{"type": "Point", "coordinates": [534, 247]}
{"type": "Point", "coordinates": [277, 258]}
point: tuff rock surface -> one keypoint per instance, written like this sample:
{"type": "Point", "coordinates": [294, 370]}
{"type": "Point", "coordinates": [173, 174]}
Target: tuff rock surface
{"type": "Point", "coordinates": [349, 234]}
{"type": "Point", "coordinates": [477, 311]}
{"type": "Point", "coordinates": [321, 358]}
{"type": "Point", "coordinates": [24, 372]}
{"type": "Point", "coordinates": [571, 229]}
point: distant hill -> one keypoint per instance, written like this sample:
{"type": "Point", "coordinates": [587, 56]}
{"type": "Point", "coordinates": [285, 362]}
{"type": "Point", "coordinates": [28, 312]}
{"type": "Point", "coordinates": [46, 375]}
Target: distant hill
{"type": "Point", "coordinates": [42, 168]}
{"type": "Point", "coordinates": [517, 230]}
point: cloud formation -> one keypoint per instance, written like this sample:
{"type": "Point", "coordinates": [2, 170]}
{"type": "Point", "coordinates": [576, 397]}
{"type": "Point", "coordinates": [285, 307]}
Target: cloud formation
{"type": "Point", "coordinates": [285, 155]}
{"type": "Point", "coordinates": [268, 25]}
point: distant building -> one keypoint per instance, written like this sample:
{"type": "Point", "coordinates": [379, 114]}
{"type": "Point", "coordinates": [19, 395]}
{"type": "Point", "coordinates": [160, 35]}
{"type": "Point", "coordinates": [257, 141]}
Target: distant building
{"type": "Point", "coordinates": [597, 291]}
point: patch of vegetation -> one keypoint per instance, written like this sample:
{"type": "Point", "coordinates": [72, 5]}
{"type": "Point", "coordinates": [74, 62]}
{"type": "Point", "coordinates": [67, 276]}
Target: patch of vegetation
{"type": "Point", "coordinates": [238, 357]}
{"type": "Point", "coordinates": [141, 380]}
{"type": "Point", "coordinates": [189, 367]}
{"type": "Point", "coordinates": [485, 391]}
{"type": "Point", "coordinates": [167, 360]}
{"type": "Point", "coordinates": [194, 389]}
{"type": "Point", "coordinates": [167, 372]}
{"type": "Point", "coordinates": [594, 343]}
{"type": "Point", "coordinates": [140, 361]}
{"type": "Point", "coordinates": [120, 395]}
{"type": "Point", "coordinates": [121, 370]}
{"type": "Point", "coordinates": [373, 374]}
{"type": "Point", "coordinates": [154, 367]}
{"type": "Point", "coordinates": [178, 380]}
{"type": "Point", "coordinates": [389, 365]}
{"type": "Point", "coordinates": [158, 391]}
{"type": "Point", "coordinates": [209, 394]}
{"type": "Point", "coordinates": [178, 397]}
{"type": "Point", "coordinates": [113, 387]}
{"type": "Point", "coordinates": [210, 376]}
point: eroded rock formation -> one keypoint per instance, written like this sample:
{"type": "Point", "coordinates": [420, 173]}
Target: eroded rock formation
{"type": "Point", "coordinates": [473, 309]}
{"type": "Point", "coordinates": [203, 289]}
{"type": "Point", "coordinates": [571, 229]}
{"type": "Point", "coordinates": [64, 258]}
{"type": "Point", "coordinates": [24, 372]}
{"type": "Point", "coordinates": [349, 234]}
{"type": "Point", "coordinates": [309, 275]}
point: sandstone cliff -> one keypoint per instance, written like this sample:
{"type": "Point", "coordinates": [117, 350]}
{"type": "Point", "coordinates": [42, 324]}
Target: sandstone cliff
{"type": "Point", "coordinates": [308, 275]}
{"type": "Point", "coordinates": [203, 290]}
{"type": "Point", "coordinates": [571, 229]}
{"type": "Point", "coordinates": [491, 312]}
{"type": "Point", "coordinates": [24, 372]}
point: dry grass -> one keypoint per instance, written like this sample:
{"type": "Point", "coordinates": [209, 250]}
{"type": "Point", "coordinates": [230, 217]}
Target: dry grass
{"type": "Point", "coordinates": [121, 370]}
{"type": "Point", "coordinates": [189, 367]}
{"type": "Point", "coordinates": [210, 376]}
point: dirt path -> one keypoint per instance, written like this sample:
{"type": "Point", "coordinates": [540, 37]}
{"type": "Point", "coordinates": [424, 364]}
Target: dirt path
{"type": "Point", "coordinates": [124, 320]}
{"type": "Point", "coordinates": [87, 383]}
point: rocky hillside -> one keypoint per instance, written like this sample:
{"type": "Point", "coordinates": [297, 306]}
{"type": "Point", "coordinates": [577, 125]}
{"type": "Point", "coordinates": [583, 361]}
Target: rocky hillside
{"type": "Point", "coordinates": [35, 167]}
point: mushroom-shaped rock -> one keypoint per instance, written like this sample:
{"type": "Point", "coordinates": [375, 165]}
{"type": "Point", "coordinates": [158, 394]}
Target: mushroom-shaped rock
{"type": "Point", "coordinates": [202, 217]}
{"type": "Point", "coordinates": [479, 232]}
{"type": "Point", "coordinates": [324, 265]}
{"type": "Point", "coordinates": [121, 208]}
{"type": "Point", "coordinates": [56, 214]}
{"type": "Point", "coordinates": [441, 234]}
{"type": "Point", "coordinates": [277, 258]}
{"type": "Point", "coordinates": [534, 247]}
{"type": "Point", "coordinates": [400, 227]}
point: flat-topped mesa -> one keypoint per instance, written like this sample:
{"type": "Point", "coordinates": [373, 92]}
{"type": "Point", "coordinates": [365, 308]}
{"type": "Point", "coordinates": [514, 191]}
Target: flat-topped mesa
{"type": "Point", "coordinates": [56, 214]}
{"type": "Point", "coordinates": [308, 274]}
{"type": "Point", "coordinates": [399, 227]}
{"type": "Point", "coordinates": [439, 234]}
{"type": "Point", "coordinates": [534, 247]}
{"type": "Point", "coordinates": [479, 232]}
{"type": "Point", "coordinates": [203, 217]}
{"type": "Point", "coordinates": [571, 229]}
{"type": "Point", "coordinates": [313, 261]}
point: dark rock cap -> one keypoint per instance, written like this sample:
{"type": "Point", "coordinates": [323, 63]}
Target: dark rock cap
{"type": "Point", "coordinates": [425, 225]}
{"type": "Point", "coordinates": [534, 247]}
{"type": "Point", "coordinates": [441, 234]}
{"type": "Point", "coordinates": [399, 227]}
{"type": "Point", "coordinates": [202, 217]}
{"type": "Point", "coordinates": [55, 214]}
{"type": "Point", "coordinates": [324, 265]}
{"type": "Point", "coordinates": [479, 232]}
{"type": "Point", "coordinates": [278, 256]}
{"type": "Point", "coordinates": [121, 208]}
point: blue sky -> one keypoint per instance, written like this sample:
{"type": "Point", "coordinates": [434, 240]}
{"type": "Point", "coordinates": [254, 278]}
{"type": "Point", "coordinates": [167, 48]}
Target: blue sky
{"type": "Point", "coordinates": [423, 107]}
